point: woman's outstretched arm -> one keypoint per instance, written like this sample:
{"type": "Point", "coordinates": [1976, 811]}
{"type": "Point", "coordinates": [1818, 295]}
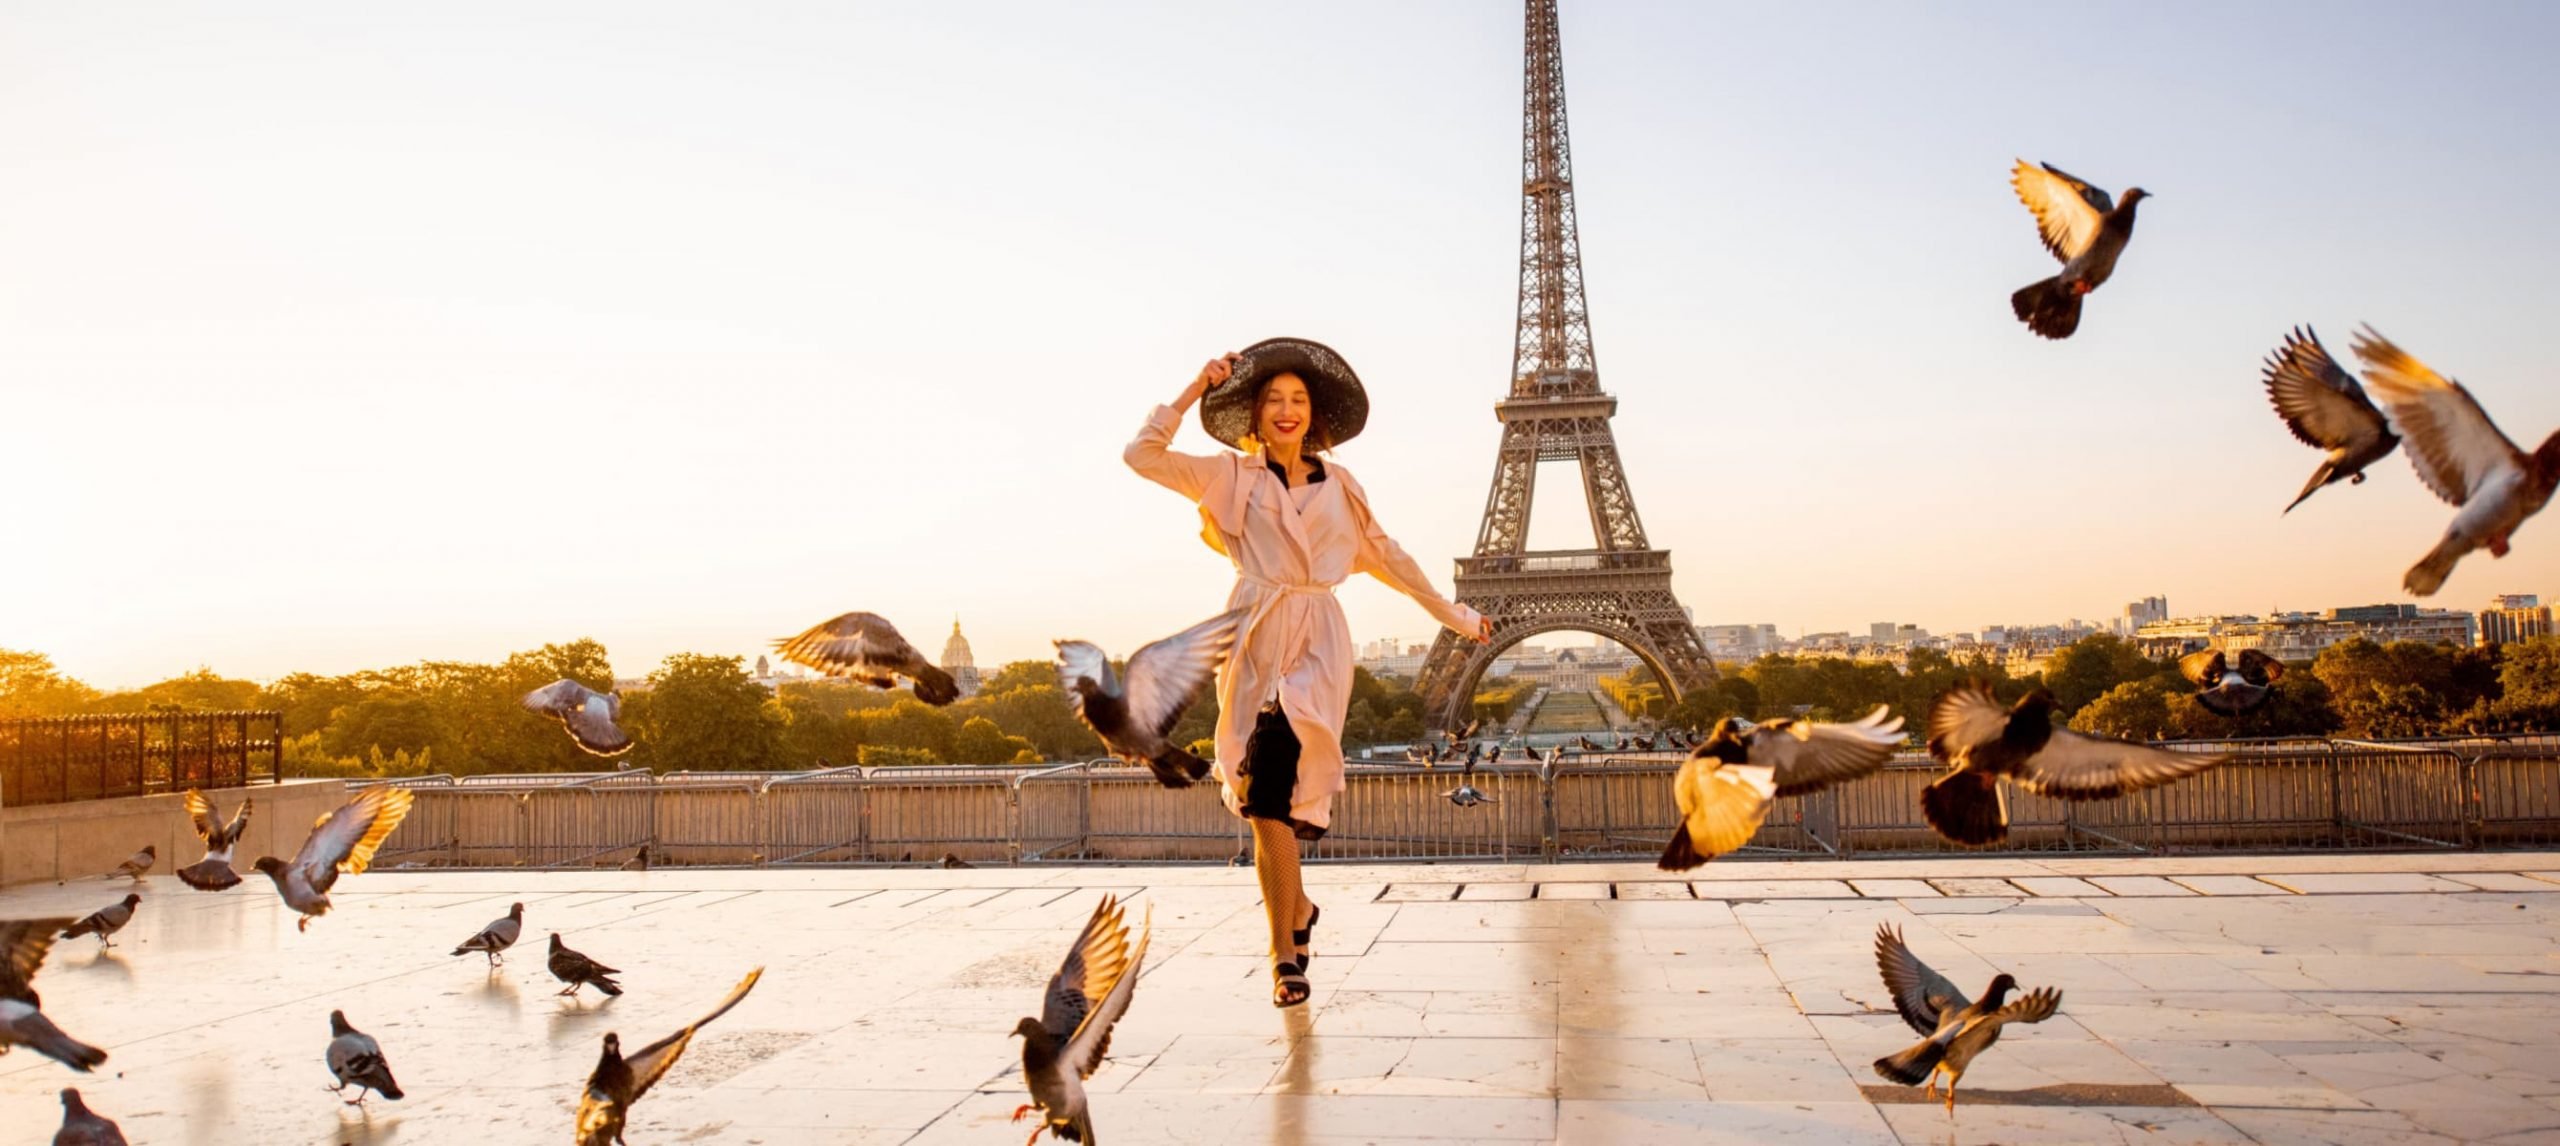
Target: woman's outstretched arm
{"type": "Point", "coordinates": [1151, 452]}
{"type": "Point", "coordinates": [1382, 558]}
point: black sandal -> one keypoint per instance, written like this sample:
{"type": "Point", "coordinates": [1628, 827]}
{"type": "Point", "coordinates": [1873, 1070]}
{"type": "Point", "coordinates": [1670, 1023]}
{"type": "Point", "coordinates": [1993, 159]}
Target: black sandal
{"type": "Point", "coordinates": [1305, 937]}
{"type": "Point", "coordinates": [1289, 985]}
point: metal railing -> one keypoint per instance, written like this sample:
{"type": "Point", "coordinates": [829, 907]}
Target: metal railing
{"type": "Point", "coordinates": [2279, 795]}
{"type": "Point", "coordinates": [60, 759]}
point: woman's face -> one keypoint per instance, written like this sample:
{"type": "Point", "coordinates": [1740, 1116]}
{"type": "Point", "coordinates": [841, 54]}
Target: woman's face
{"type": "Point", "coordinates": [1285, 414]}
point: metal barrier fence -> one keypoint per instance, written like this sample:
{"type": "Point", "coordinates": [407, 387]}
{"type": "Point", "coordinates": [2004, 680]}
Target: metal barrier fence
{"type": "Point", "coordinates": [2289, 795]}
{"type": "Point", "coordinates": [59, 759]}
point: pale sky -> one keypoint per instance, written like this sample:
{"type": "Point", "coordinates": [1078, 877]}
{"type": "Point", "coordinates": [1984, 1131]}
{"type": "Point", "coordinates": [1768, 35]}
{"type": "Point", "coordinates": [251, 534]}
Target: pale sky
{"type": "Point", "coordinates": [344, 336]}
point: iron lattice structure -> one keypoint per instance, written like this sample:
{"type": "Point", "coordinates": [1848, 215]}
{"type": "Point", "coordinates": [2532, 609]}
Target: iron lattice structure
{"type": "Point", "coordinates": [1555, 411]}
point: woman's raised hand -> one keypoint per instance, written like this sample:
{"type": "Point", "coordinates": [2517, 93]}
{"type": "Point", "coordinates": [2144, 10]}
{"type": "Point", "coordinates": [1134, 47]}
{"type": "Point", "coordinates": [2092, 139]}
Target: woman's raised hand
{"type": "Point", "coordinates": [1213, 374]}
{"type": "Point", "coordinates": [1484, 631]}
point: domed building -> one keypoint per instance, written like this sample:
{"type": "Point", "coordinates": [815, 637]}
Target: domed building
{"type": "Point", "coordinates": [957, 660]}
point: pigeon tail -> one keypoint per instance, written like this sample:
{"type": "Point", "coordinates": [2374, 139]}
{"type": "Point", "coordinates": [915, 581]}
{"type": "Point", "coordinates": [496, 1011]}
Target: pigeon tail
{"type": "Point", "coordinates": [38, 1033]}
{"type": "Point", "coordinates": [1966, 807]}
{"type": "Point", "coordinates": [2429, 573]}
{"type": "Point", "coordinates": [934, 686]}
{"type": "Point", "coordinates": [209, 875]}
{"type": "Point", "coordinates": [1680, 854]}
{"type": "Point", "coordinates": [1175, 768]}
{"type": "Point", "coordinates": [2328, 472]}
{"type": "Point", "coordinates": [606, 985]}
{"type": "Point", "coordinates": [1912, 1066]}
{"type": "Point", "coordinates": [2048, 308]}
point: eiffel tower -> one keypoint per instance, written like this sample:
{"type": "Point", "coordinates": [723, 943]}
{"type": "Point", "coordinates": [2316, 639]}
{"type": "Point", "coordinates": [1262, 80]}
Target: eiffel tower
{"type": "Point", "coordinates": [1621, 587]}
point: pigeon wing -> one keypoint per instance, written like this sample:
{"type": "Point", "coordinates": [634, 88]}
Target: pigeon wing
{"type": "Point", "coordinates": [1725, 806]}
{"type": "Point", "coordinates": [2259, 668]}
{"type": "Point", "coordinates": [2068, 211]}
{"type": "Point", "coordinates": [2456, 449]}
{"type": "Point", "coordinates": [1920, 993]}
{"type": "Point", "coordinates": [1112, 975]}
{"type": "Point", "coordinates": [1164, 675]}
{"type": "Point", "coordinates": [1808, 757]}
{"type": "Point", "coordinates": [594, 730]}
{"type": "Point", "coordinates": [345, 840]}
{"type": "Point", "coordinates": [2318, 400]}
{"type": "Point", "coordinates": [239, 825]}
{"type": "Point", "coordinates": [2073, 766]}
{"type": "Point", "coordinates": [23, 943]}
{"type": "Point", "coordinates": [852, 644]}
{"type": "Point", "coordinates": [201, 812]}
{"type": "Point", "coordinates": [1964, 718]}
{"type": "Point", "coordinates": [650, 1063]}
{"type": "Point", "coordinates": [2203, 668]}
{"type": "Point", "coordinates": [1084, 660]}
{"type": "Point", "coordinates": [2034, 1007]}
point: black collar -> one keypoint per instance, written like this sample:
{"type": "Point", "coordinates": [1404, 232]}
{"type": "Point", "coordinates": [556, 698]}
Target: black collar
{"type": "Point", "coordinates": [1315, 469]}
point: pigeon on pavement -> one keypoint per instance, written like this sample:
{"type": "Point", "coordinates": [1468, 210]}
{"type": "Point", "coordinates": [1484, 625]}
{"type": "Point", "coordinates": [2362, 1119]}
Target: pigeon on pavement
{"type": "Point", "coordinates": [82, 1126]}
{"type": "Point", "coordinates": [2460, 454]}
{"type": "Point", "coordinates": [2081, 226]}
{"type": "Point", "coordinates": [1725, 787]}
{"type": "Point", "coordinates": [1133, 716]}
{"type": "Point", "coordinates": [587, 714]}
{"type": "Point", "coordinates": [105, 921]}
{"type": "Point", "coordinates": [578, 971]}
{"type": "Point", "coordinates": [213, 872]}
{"type": "Point", "coordinates": [499, 935]}
{"type": "Point", "coordinates": [2326, 410]}
{"type": "Point", "coordinates": [617, 1082]}
{"type": "Point", "coordinates": [342, 842]}
{"type": "Point", "coordinates": [866, 647]}
{"type": "Point", "coordinates": [23, 943]}
{"type": "Point", "coordinates": [1953, 1029]}
{"type": "Point", "coordinates": [1066, 1044]}
{"type": "Point", "coordinates": [136, 865]}
{"type": "Point", "coordinates": [2229, 691]}
{"type": "Point", "coordinates": [356, 1060]}
{"type": "Point", "coordinates": [1981, 742]}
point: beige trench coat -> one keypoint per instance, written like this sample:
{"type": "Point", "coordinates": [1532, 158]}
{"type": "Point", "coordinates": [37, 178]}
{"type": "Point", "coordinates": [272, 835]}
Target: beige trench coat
{"type": "Point", "coordinates": [1295, 644]}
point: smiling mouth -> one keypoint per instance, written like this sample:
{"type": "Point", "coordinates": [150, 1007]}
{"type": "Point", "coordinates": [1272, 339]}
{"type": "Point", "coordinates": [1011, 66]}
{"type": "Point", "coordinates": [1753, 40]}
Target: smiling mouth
{"type": "Point", "coordinates": [1285, 427]}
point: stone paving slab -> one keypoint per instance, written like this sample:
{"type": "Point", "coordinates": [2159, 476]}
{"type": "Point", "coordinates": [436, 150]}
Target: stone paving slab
{"type": "Point", "coordinates": [2280, 999]}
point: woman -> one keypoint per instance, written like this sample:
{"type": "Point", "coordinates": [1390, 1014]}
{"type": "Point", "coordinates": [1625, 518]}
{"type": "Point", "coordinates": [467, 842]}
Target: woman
{"type": "Point", "coordinates": [1295, 526]}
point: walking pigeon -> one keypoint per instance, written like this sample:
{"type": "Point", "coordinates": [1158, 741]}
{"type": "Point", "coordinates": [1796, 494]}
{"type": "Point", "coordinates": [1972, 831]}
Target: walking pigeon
{"type": "Point", "coordinates": [1466, 794]}
{"type": "Point", "coordinates": [1953, 1028]}
{"type": "Point", "coordinates": [587, 714]}
{"type": "Point", "coordinates": [953, 860]}
{"type": "Point", "coordinates": [1065, 1045]}
{"type": "Point", "coordinates": [2229, 691]}
{"type": "Point", "coordinates": [82, 1126]}
{"type": "Point", "coordinates": [2460, 454]}
{"type": "Point", "coordinates": [618, 1082]}
{"type": "Point", "coordinates": [341, 843]}
{"type": "Point", "coordinates": [213, 872]}
{"type": "Point", "coordinates": [639, 860]}
{"type": "Point", "coordinates": [356, 1060]}
{"type": "Point", "coordinates": [1981, 742]}
{"type": "Point", "coordinates": [2326, 410]}
{"type": "Point", "coordinates": [578, 971]}
{"type": "Point", "coordinates": [1133, 716]}
{"type": "Point", "coordinates": [2084, 228]}
{"type": "Point", "coordinates": [23, 943]}
{"type": "Point", "coordinates": [866, 647]}
{"type": "Point", "coordinates": [1725, 787]}
{"type": "Point", "coordinates": [136, 865]}
{"type": "Point", "coordinates": [499, 935]}
{"type": "Point", "coordinates": [105, 921]}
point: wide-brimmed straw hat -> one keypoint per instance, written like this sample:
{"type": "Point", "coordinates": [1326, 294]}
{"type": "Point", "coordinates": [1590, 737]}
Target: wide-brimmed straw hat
{"type": "Point", "coordinates": [1341, 405]}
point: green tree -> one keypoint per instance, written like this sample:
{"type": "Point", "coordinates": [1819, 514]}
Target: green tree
{"type": "Point", "coordinates": [200, 691]}
{"type": "Point", "coordinates": [394, 723]}
{"type": "Point", "coordinates": [2134, 710]}
{"type": "Point", "coordinates": [31, 686]}
{"type": "Point", "coordinates": [704, 713]}
{"type": "Point", "coordinates": [2402, 689]}
{"type": "Point", "coordinates": [892, 756]}
{"type": "Point", "coordinates": [2091, 666]}
{"type": "Point", "coordinates": [979, 741]}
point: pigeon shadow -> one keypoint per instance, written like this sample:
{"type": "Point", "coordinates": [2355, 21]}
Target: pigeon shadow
{"type": "Point", "coordinates": [499, 991]}
{"type": "Point", "coordinates": [362, 1128]}
{"type": "Point", "coordinates": [105, 964]}
{"type": "Point", "coordinates": [576, 1016]}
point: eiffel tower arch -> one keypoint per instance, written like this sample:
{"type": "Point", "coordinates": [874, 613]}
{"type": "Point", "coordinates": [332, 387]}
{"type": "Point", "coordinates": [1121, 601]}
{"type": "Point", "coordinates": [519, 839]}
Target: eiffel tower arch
{"type": "Point", "coordinates": [1555, 410]}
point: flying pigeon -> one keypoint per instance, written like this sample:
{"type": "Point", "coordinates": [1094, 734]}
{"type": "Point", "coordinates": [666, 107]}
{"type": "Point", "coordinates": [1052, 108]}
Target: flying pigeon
{"type": "Point", "coordinates": [587, 714]}
{"type": "Point", "coordinates": [136, 865]}
{"type": "Point", "coordinates": [1133, 716]}
{"type": "Point", "coordinates": [953, 860]}
{"type": "Point", "coordinates": [618, 1082]}
{"type": "Point", "coordinates": [213, 872]}
{"type": "Point", "coordinates": [1981, 742]}
{"type": "Point", "coordinates": [2458, 453]}
{"type": "Point", "coordinates": [105, 921]}
{"type": "Point", "coordinates": [1725, 787]}
{"type": "Point", "coordinates": [1064, 1046]}
{"type": "Point", "coordinates": [23, 943]}
{"type": "Point", "coordinates": [499, 935]}
{"type": "Point", "coordinates": [1953, 1029]}
{"type": "Point", "coordinates": [2326, 410]}
{"type": "Point", "coordinates": [356, 1060]}
{"type": "Point", "coordinates": [342, 842]}
{"type": "Point", "coordinates": [578, 971]}
{"type": "Point", "coordinates": [82, 1126]}
{"type": "Point", "coordinates": [2229, 691]}
{"type": "Point", "coordinates": [866, 647]}
{"type": "Point", "coordinates": [1466, 794]}
{"type": "Point", "coordinates": [2084, 228]}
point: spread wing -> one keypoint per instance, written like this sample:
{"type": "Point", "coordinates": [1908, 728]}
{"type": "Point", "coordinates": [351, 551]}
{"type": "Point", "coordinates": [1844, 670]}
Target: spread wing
{"type": "Point", "coordinates": [2034, 1007]}
{"type": "Point", "coordinates": [2259, 668]}
{"type": "Point", "coordinates": [1163, 676]}
{"type": "Point", "coordinates": [200, 811]}
{"type": "Point", "coordinates": [1808, 757]}
{"type": "Point", "coordinates": [2068, 211]}
{"type": "Point", "coordinates": [2077, 767]}
{"type": "Point", "coordinates": [345, 840]}
{"type": "Point", "coordinates": [1920, 993]}
{"type": "Point", "coordinates": [1964, 718]}
{"type": "Point", "coordinates": [1081, 992]}
{"type": "Point", "coordinates": [852, 643]}
{"type": "Point", "coordinates": [2456, 449]}
{"type": "Point", "coordinates": [1084, 660]}
{"type": "Point", "coordinates": [2317, 398]}
{"type": "Point", "coordinates": [2203, 668]}
{"type": "Point", "coordinates": [558, 698]}
{"type": "Point", "coordinates": [239, 825]}
{"type": "Point", "coordinates": [23, 943]}
{"type": "Point", "coordinates": [1117, 983]}
{"type": "Point", "coordinates": [650, 1063]}
{"type": "Point", "coordinates": [1723, 807]}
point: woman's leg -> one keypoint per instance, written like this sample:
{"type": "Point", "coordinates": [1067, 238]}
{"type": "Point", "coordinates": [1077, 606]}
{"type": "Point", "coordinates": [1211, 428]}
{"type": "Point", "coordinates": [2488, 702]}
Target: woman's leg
{"type": "Point", "coordinates": [1284, 899]}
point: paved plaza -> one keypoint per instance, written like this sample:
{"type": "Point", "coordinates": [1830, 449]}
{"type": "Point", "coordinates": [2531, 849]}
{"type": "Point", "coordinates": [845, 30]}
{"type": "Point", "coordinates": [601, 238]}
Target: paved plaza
{"type": "Point", "coordinates": [2210, 999]}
